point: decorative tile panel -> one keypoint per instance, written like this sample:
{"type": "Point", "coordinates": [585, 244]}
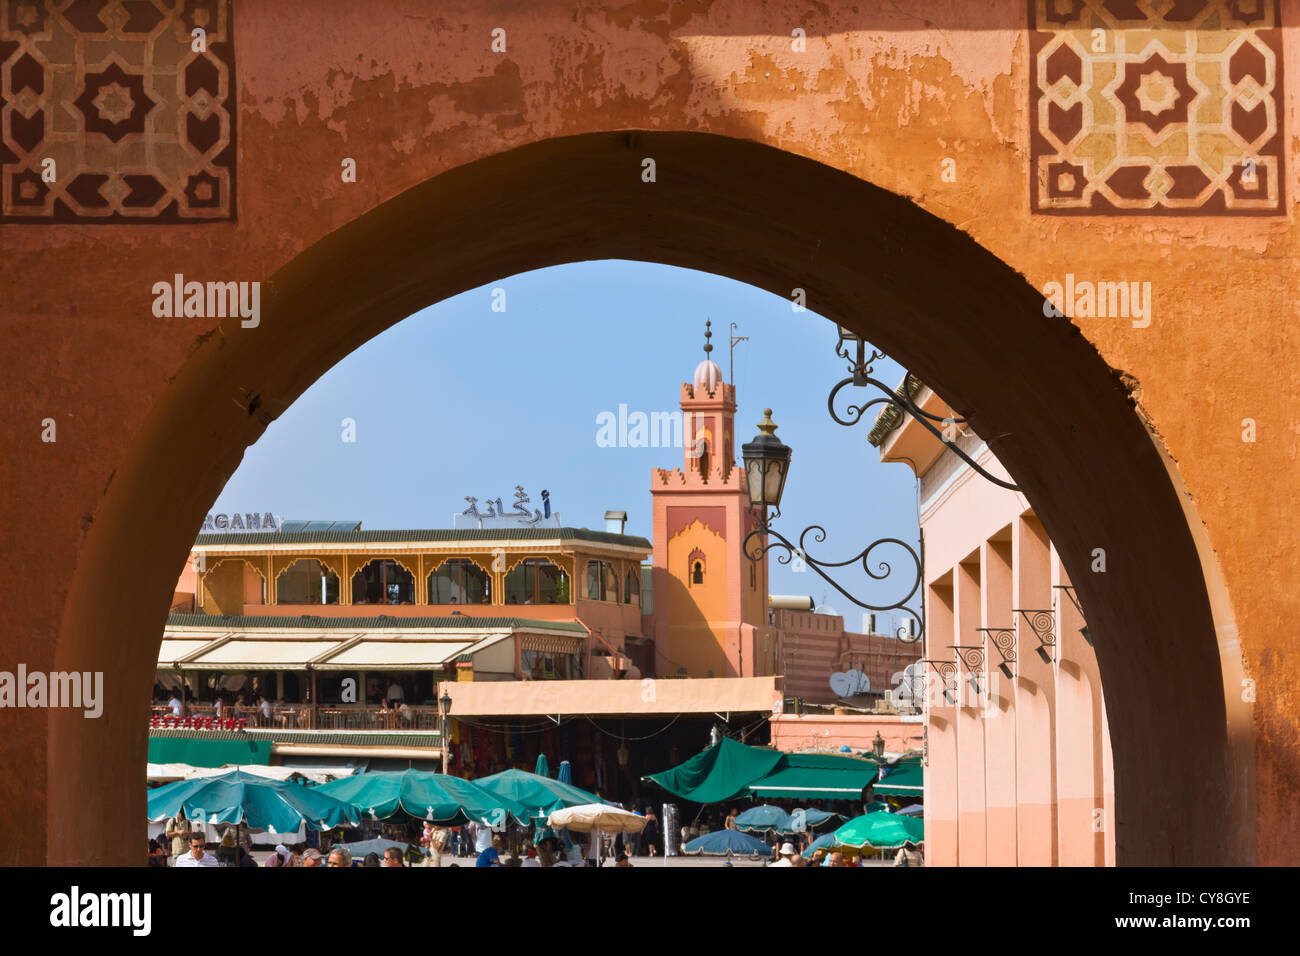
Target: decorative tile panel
{"type": "Point", "coordinates": [117, 111]}
{"type": "Point", "coordinates": [1156, 107]}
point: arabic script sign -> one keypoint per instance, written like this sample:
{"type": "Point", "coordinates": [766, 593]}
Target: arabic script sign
{"type": "Point", "coordinates": [497, 516]}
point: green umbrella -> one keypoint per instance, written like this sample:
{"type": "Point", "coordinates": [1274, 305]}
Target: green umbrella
{"type": "Point", "coordinates": [438, 797]}
{"type": "Point", "coordinates": [543, 769]}
{"type": "Point", "coordinates": [239, 797]}
{"type": "Point", "coordinates": [883, 831]}
{"type": "Point", "coordinates": [537, 793]}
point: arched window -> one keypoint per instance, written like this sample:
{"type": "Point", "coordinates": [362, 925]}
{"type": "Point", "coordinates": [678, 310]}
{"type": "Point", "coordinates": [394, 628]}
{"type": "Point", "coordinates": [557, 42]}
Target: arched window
{"type": "Point", "coordinates": [383, 581]}
{"type": "Point", "coordinates": [632, 587]}
{"type": "Point", "coordinates": [460, 581]}
{"type": "Point", "coordinates": [602, 581]}
{"type": "Point", "coordinates": [536, 581]}
{"type": "Point", "coordinates": [695, 566]}
{"type": "Point", "coordinates": [307, 581]}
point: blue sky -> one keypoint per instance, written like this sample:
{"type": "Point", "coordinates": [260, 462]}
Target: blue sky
{"type": "Point", "coordinates": [460, 400]}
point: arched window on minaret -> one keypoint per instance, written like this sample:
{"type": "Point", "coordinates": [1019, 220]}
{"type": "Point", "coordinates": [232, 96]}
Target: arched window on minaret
{"type": "Point", "coordinates": [704, 458]}
{"type": "Point", "coordinates": [696, 564]}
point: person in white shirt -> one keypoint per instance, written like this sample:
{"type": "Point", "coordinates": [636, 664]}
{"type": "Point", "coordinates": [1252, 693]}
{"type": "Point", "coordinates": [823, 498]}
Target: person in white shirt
{"type": "Point", "coordinates": [482, 837]}
{"type": "Point", "coordinates": [217, 707]}
{"type": "Point", "coordinates": [198, 856]}
{"type": "Point", "coordinates": [787, 854]}
{"type": "Point", "coordinates": [265, 706]}
{"type": "Point", "coordinates": [175, 705]}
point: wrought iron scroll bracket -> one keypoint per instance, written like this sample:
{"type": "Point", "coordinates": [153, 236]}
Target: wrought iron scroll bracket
{"type": "Point", "coordinates": [755, 548]}
{"type": "Point", "coordinates": [1043, 624]}
{"type": "Point", "coordinates": [903, 403]}
{"type": "Point", "coordinates": [1003, 640]}
{"type": "Point", "coordinates": [946, 670]}
{"type": "Point", "coordinates": [973, 657]}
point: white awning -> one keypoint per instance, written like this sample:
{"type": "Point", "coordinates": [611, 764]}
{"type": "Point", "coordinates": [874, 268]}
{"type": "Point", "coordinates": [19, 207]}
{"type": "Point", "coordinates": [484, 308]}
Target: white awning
{"type": "Point", "coordinates": [240, 654]}
{"type": "Point", "coordinates": [395, 654]}
{"type": "Point", "coordinates": [172, 651]}
{"type": "Point", "coordinates": [184, 771]}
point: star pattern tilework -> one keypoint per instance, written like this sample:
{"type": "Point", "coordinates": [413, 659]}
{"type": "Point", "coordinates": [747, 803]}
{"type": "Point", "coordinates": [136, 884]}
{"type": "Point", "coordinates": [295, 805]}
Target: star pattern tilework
{"type": "Point", "coordinates": [116, 111]}
{"type": "Point", "coordinates": [1156, 107]}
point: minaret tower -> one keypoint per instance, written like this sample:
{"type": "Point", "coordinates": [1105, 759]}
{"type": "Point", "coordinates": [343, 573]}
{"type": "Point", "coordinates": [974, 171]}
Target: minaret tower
{"type": "Point", "coordinates": [710, 601]}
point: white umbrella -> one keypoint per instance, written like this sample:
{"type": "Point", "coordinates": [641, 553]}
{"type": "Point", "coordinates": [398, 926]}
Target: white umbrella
{"type": "Point", "coordinates": [597, 818]}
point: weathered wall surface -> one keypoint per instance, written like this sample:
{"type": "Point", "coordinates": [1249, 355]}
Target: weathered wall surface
{"type": "Point", "coordinates": [412, 93]}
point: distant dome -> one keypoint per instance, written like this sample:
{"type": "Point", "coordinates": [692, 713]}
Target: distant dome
{"type": "Point", "coordinates": [708, 376]}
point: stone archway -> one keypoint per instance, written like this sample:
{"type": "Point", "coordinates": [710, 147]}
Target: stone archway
{"type": "Point", "coordinates": [866, 258]}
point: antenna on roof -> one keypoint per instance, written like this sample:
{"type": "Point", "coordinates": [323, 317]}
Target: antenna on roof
{"type": "Point", "coordinates": [731, 363]}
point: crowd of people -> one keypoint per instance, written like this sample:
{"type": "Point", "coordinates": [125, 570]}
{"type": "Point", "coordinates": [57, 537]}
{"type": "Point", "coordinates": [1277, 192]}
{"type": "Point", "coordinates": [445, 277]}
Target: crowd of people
{"type": "Point", "coordinates": [909, 854]}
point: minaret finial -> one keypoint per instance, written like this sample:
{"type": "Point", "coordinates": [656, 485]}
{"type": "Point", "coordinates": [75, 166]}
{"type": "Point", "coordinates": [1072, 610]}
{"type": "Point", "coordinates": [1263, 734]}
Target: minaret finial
{"type": "Point", "coordinates": [708, 334]}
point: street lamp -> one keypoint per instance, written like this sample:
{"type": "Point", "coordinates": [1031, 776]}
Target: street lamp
{"type": "Point", "coordinates": [767, 463]}
{"type": "Point", "coordinates": [878, 746]}
{"type": "Point", "coordinates": [444, 708]}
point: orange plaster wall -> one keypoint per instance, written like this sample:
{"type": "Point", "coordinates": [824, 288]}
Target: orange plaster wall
{"type": "Point", "coordinates": [883, 93]}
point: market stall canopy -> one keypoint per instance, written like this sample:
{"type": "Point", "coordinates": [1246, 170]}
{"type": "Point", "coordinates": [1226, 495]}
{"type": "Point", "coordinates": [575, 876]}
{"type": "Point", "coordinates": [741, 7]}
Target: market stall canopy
{"type": "Point", "coordinates": [239, 797]}
{"type": "Point", "coordinates": [883, 831]}
{"type": "Point", "coordinates": [422, 795]}
{"type": "Point", "coordinates": [816, 777]}
{"type": "Point", "coordinates": [901, 780]}
{"type": "Point", "coordinates": [536, 792]}
{"type": "Point", "coordinates": [723, 771]}
{"type": "Point", "coordinates": [727, 843]}
{"type": "Point", "coordinates": [597, 816]}
{"type": "Point", "coordinates": [208, 752]}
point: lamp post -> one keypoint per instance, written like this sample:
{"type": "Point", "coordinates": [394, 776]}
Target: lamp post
{"type": "Point", "coordinates": [767, 464]}
{"type": "Point", "coordinates": [878, 746]}
{"type": "Point", "coordinates": [444, 708]}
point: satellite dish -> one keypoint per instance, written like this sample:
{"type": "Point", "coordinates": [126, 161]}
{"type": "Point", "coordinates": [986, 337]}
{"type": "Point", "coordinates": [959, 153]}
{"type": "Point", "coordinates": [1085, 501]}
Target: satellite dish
{"type": "Point", "coordinates": [841, 684]}
{"type": "Point", "coordinates": [850, 683]}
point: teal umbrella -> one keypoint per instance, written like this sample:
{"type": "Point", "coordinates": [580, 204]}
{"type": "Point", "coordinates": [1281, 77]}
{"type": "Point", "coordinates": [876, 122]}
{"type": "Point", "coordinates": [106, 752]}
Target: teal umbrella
{"type": "Point", "coordinates": [883, 831]}
{"type": "Point", "coordinates": [727, 843]}
{"type": "Point", "coordinates": [537, 793]}
{"type": "Point", "coordinates": [824, 842]}
{"type": "Point", "coordinates": [438, 797]}
{"type": "Point", "coordinates": [262, 804]}
{"type": "Point", "coordinates": [543, 769]}
{"type": "Point", "coordinates": [565, 773]}
{"type": "Point", "coordinates": [765, 819]}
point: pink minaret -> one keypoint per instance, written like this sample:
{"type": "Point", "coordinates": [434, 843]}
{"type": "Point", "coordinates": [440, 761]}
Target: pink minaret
{"type": "Point", "coordinates": [710, 601]}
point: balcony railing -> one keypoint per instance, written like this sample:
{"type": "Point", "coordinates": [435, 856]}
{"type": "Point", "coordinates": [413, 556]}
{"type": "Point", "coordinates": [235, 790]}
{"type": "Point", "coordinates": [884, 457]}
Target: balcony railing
{"type": "Point", "coordinates": [315, 716]}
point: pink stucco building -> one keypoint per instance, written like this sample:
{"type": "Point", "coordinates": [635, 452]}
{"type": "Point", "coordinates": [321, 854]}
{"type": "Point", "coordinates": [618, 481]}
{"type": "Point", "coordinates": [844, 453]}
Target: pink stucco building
{"type": "Point", "coordinates": [1018, 759]}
